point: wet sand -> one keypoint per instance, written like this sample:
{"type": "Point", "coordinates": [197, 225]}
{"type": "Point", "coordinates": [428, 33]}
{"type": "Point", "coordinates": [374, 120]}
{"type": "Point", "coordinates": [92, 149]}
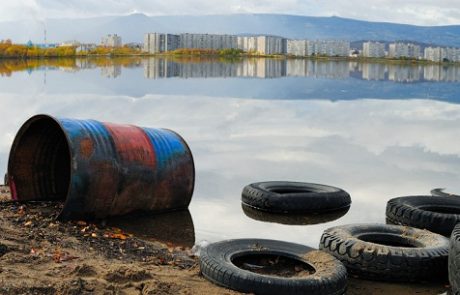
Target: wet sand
{"type": "Point", "coordinates": [39, 255]}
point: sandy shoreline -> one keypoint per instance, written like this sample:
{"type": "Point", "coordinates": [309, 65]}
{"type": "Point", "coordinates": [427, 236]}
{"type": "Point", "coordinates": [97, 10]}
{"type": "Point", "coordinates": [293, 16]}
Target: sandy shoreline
{"type": "Point", "coordinates": [39, 255]}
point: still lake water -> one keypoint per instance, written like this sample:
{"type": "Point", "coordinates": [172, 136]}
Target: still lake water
{"type": "Point", "coordinates": [378, 131]}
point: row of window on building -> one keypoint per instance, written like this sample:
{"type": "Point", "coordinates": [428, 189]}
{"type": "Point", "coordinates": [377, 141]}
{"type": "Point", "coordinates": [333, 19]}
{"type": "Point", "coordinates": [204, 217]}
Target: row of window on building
{"type": "Point", "coordinates": [410, 50]}
{"type": "Point", "coordinates": [159, 42]}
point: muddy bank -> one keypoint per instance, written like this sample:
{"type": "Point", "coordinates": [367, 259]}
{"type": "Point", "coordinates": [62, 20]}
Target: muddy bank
{"type": "Point", "coordinates": [39, 255]}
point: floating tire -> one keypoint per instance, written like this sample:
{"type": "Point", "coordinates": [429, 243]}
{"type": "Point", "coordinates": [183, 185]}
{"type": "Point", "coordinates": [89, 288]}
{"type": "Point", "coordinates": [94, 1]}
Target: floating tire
{"type": "Point", "coordinates": [454, 260]}
{"type": "Point", "coordinates": [246, 265]}
{"type": "Point", "coordinates": [294, 197]}
{"type": "Point", "coordinates": [293, 219]}
{"type": "Point", "coordinates": [436, 214]}
{"type": "Point", "coordinates": [439, 192]}
{"type": "Point", "coordinates": [388, 252]}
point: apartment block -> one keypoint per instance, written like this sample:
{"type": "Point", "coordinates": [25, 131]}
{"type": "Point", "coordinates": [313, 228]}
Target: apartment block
{"type": "Point", "coordinates": [297, 47]}
{"type": "Point", "coordinates": [408, 50]}
{"type": "Point", "coordinates": [207, 41]}
{"type": "Point", "coordinates": [247, 43]}
{"type": "Point", "coordinates": [271, 45]}
{"type": "Point", "coordinates": [158, 42]}
{"type": "Point", "coordinates": [373, 49]}
{"type": "Point", "coordinates": [328, 47]}
{"type": "Point", "coordinates": [111, 41]}
{"type": "Point", "coordinates": [439, 54]}
{"type": "Point", "coordinates": [435, 54]}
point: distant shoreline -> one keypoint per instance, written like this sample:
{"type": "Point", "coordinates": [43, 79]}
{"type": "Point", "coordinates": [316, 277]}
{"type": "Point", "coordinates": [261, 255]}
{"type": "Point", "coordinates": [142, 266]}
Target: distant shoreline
{"type": "Point", "coordinates": [231, 56]}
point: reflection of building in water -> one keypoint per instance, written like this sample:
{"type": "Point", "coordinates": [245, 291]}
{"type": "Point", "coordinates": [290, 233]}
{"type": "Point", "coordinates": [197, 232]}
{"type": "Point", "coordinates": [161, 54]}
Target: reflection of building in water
{"type": "Point", "coordinates": [373, 71]}
{"type": "Point", "coordinates": [155, 68]}
{"type": "Point", "coordinates": [441, 73]}
{"type": "Point", "coordinates": [111, 71]}
{"type": "Point", "coordinates": [296, 67]}
{"type": "Point", "coordinates": [160, 68]}
{"type": "Point", "coordinates": [207, 69]}
{"type": "Point", "coordinates": [311, 68]}
{"type": "Point", "coordinates": [402, 73]}
{"type": "Point", "coordinates": [262, 68]}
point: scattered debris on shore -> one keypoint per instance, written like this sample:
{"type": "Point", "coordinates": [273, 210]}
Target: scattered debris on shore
{"type": "Point", "coordinates": [39, 255]}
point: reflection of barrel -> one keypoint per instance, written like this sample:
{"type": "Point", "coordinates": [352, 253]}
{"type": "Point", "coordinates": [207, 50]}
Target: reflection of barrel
{"type": "Point", "coordinates": [293, 219]}
{"type": "Point", "coordinates": [174, 228]}
{"type": "Point", "coordinates": [100, 169]}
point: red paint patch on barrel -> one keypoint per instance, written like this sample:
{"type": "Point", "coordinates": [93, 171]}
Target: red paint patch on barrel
{"type": "Point", "coordinates": [132, 144]}
{"type": "Point", "coordinates": [86, 148]}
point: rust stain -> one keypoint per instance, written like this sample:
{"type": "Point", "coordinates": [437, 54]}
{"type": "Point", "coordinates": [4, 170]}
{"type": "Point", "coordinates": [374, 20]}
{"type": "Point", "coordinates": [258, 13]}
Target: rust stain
{"type": "Point", "coordinates": [86, 148]}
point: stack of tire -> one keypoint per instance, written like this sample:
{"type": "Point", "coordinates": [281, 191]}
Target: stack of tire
{"type": "Point", "coordinates": [412, 249]}
{"type": "Point", "coordinates": [439, 213]}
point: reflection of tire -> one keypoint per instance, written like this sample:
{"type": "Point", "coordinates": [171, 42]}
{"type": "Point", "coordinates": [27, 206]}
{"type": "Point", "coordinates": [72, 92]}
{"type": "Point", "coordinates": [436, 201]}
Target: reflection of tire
{"type": "Point", "coordinates": [439, 192]}
{"type": "Point", "coordinates": [388, 252]}
{"type": "Point", "coordinates": [454, 260]}
{"type": "Point", "coordinates": [174, 228]}
{"type": "Point", "coordinates": [293, 219]}
{"type": "Point", "coordinates": [437, 214]}
{"type": "Point", "coordinates": [229, 264]}
{"type": "Point", "coordinates": [282, 196]}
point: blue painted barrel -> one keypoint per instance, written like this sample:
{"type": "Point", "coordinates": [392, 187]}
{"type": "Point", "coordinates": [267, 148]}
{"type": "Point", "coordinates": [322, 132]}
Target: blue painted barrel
{"type": "Point", "coordinates": [100, 169]}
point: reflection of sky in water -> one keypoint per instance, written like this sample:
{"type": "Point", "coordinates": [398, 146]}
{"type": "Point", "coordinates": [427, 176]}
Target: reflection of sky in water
{"type": "Point", "coordinates": [374, 149]}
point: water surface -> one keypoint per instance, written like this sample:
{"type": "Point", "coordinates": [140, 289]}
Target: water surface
{"type": "Point", "coordinates": [378, 131]}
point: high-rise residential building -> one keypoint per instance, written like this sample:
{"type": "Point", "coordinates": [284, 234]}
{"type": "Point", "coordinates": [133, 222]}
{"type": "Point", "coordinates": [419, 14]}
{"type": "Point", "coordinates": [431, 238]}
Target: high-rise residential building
{"type": "Point", "coordinates": [440, 54]}
{"type": "Point", "coordinates": [247, 43]}
{"type": "Point", "coordinates": [435, 54]}
{"type": "Point", "coordinates": [408, 50]}
{"type": "Point", "coordinates": [111, 41]}
{"type": "Point", "coordinates": [297, 47]}
{"type": "Point", "coordinates": [157, 42]}
{"type": "Point", "coordinates": [271, 45]}
{"type": "Point", "coordinates": [328, 47]}
{"type": "Point", "coordinates": [373, 49]}
{"type": "Point", "coordinates": [207, 41]}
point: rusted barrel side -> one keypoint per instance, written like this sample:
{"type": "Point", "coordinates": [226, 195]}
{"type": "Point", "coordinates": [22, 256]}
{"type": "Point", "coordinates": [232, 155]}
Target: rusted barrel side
{"type": "Point", "coordinates": [100, 169]}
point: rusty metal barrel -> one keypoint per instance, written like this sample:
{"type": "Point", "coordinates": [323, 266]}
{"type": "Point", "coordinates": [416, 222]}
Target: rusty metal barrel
{"type": "Point", "coordinates": [100, 169]}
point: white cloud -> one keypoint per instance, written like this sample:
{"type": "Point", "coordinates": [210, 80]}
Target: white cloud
{"type": "Point", "coordinates": [425, 12]}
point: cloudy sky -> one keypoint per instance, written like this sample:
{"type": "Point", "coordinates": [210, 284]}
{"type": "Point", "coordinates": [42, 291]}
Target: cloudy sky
{"type": "Point", "coordinates": [418, 12]}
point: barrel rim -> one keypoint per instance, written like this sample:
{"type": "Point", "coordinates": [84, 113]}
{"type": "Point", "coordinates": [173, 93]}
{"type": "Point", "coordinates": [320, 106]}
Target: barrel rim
{"type": "Point", "coordinates": [24, 127]}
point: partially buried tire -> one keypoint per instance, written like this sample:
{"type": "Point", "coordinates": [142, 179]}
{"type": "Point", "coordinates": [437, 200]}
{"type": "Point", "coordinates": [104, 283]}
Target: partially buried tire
{"type": "Point", "coordinates": [388, 252]}
{"type": "Point", "coordinates": [272, 267]}
{"type": "Point", "coordinates": [454, 260]}
{"type": "Point", "coordinates": [294, 197]}
{"type": "Point", "coordinates": [436, 214]}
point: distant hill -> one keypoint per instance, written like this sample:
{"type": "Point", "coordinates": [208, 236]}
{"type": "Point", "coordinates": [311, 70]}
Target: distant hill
{"type": "Point", "coordinates": [132, 28]}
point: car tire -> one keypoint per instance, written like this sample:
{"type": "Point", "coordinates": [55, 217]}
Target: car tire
{"type": "Point", "coordinates": [294, 197]}
{"type": "Point", "coordinates": [436, 214]}
{"type": "Point", "coordinates": [388, 252]}
{"type": "Point", "coordinates": [218, 265]}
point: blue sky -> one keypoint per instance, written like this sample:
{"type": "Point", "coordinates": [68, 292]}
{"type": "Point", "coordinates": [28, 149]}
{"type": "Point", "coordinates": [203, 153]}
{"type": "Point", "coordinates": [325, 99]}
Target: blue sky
{"type": "Point", "coordinates": [419, 12]}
